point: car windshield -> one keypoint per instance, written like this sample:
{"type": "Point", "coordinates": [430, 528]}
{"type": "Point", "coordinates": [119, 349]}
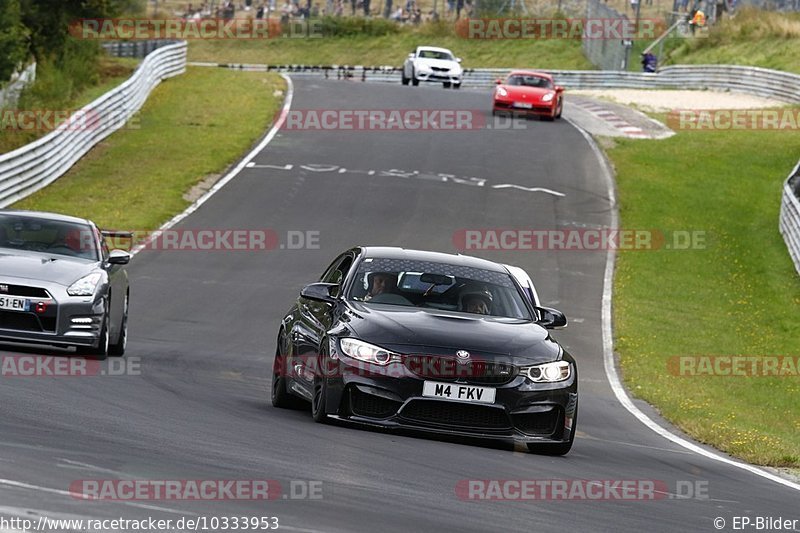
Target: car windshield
{"type": "Point", "coordinates": [19, 232]}
{"type": "Point", "coordinates": [435, 54]}
{"type": "Point", "coordinates": [530, 81]}
{"type": "Point", "coordinates": [411, 283]}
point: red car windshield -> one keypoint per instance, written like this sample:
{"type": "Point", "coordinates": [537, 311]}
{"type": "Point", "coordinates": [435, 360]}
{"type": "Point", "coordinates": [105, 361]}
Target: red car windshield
{"type": "Point", "coordinates": [530, 81]}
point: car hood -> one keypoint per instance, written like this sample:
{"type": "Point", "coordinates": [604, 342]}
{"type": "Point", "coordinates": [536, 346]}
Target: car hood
{"type": "Point", "coordinates": [432, 331]}
{"type": "Point", "coordinates": [45, 267]}
{"type": "Point", "coordinates": [431, 62]}
{"type": "Point", "coordinates": [523, 92]}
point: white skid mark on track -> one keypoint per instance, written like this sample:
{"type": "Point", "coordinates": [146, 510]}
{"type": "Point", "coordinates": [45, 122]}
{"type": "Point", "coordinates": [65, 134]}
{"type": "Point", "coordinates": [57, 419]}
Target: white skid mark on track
{"type": "Point", "coordinates": [529, 189]}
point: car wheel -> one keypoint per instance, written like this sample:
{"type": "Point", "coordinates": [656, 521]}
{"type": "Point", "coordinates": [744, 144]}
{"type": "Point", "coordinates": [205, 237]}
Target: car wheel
{"type": "Point", "coordinates": [561, 448]}
{"type": "Point", "coordinates": [446, 84]}
{"type": "Point", "coordinates": [320, 397]}
{"type": "Point", "coordinates": [560, 108]}
{"type": "Point", "coordinates": [403, 78]}
{"type": "Point", "coordinates": [414, 80]}
{"type": "Point", "coordinates": [456, 85]}
{"type": "Point", "coordinates": [118, 348]}
{"type": "Point", "coordinates": [281, 397]}
{"type": "Point", "coordinates": [99, 353]}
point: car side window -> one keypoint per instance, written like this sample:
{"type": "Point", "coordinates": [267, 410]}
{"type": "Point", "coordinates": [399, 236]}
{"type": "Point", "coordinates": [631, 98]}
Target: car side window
{"type": "Point", "coordinates": [104, 252]}
{"type": "Point", "coordinates": [339, 269]}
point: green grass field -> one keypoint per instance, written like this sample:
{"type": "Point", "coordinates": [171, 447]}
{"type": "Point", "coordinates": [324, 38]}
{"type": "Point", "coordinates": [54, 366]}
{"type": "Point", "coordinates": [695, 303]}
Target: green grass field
{"type": "Point", "coordinates": [739, 296]}
{"type": "Point", "coordinates": [185, 134]}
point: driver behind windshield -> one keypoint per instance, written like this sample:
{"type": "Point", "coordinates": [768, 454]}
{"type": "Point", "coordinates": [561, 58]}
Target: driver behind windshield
{"type": "Point", "coordinates": [476, 300]}
{"type": "Point", "coordinates": [379, 283]}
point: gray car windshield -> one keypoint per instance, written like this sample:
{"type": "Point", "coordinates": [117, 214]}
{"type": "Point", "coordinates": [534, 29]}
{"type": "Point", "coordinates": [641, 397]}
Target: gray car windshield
{"type": "Point", "coordinates": [435, 54]}
{"type": "Point", "coordinates": [411, 283]}
{"type": "Point", "coordinates": [34, 234]}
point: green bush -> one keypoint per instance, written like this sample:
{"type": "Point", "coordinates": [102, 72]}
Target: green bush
{"type": "Point", "coordinates": [352, 26]}
{"type": "Point", "coordinates": [13, 38]}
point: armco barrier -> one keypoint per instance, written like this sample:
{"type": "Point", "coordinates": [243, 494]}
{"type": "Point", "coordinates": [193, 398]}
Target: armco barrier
{"type": "Point", "coordinates": [35, 165]}
{"type": "Point", "coordinates": [789, 223]}
{"type": "Point", "coordinates": [775, 84]}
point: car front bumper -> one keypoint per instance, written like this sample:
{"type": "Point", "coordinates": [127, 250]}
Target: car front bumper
{"type": "Point", "coordinates": [392, 398]}
{"type": "Point", "coordinates": [438, 77]}
{"type": "Point", "coordinates": [536, 109]}
{"type": "Point", "coordinates": [65, 321]}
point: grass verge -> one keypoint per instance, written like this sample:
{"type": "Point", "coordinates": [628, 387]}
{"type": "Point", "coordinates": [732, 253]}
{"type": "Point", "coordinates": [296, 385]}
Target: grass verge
{"type": "Point", "coordinates": [137, 178]}
{"type": "Point", "coordinates": [393, 49]}
{"type": "Point", "coordinates": [738, 296]}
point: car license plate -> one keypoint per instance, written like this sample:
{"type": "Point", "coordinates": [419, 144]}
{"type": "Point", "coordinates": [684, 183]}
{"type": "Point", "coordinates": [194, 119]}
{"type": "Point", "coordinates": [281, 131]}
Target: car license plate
{"type": "Point", "coordinates": [10, 303]}
{"type": "Point", "coordinates": [523, 105]}
{"type": "Point", "coordinates": [459, 392]}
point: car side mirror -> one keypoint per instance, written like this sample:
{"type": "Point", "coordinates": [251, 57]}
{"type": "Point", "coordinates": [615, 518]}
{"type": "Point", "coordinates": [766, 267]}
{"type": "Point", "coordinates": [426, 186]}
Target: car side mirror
{"type": "Point", "coordinates": [119, 257]}
{"type": "Point", "coordinates": [559, 89]}
{"type": "Point", "coordinates": [411, 55]}
{"type": "Point", "coordinates": [498, 81]}
{"type": "Point", "coordinates": [458, 60]}
{"type": "Point", "coordinates": [321, 292]}
{"type": "Point", "coordinates": [550, 318]}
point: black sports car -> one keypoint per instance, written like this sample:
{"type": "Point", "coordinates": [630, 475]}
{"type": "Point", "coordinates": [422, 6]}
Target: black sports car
{"type": "Point", "coordinates": [60, 285]}
{"type": "Point", "coordinates": [429, 341]}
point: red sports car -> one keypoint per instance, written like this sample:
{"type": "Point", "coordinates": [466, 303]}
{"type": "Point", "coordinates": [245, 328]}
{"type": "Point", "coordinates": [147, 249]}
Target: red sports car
{"type": "Point", "coordinates": [528, 93]}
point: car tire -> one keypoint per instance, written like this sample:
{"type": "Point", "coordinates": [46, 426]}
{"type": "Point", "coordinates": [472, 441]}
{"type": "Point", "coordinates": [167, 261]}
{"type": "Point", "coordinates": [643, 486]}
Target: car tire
{"type": "Point", "coordinates": [562, 448]}
{"type": "Point", "coordinates": [403, 78]}
{"type": "Point", "coordinates": [320, 392]}
{"type": "Point", "coordinates": [100, 352]}
{"type": "Point", "coordinates": [560, 108]}
{"type": "Point", "coordinates": [414, 80]}
{"type": "Point", "coordinates": [446, 84]}
{"type": "Point", "coordinates": [282, 398]}
{"type": "Point", "coordinates": [118, 348]}
{"type": "Point", "coordinates": [456, 85]}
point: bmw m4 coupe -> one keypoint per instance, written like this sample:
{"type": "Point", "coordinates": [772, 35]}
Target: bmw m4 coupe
{"type": "Point", "coordinates": [60, 285]}
{"type": "Point", "coordinates": [431, 342]}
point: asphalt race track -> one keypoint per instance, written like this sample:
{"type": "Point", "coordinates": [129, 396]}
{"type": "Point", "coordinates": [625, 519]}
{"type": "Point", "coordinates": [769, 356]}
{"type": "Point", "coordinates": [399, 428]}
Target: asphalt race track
{"type": "Point", "coordinates": [204, 325]}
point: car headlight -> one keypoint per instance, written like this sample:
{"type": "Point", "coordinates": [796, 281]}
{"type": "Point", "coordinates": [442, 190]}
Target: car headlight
{"type": "Point", "coordinates": [548, 372]}
{"type": "Point", "coordinates": [369, 353]}
{"type": "Point", "coordinates": [501, 92]}
{"type": "Point", "coordinates": [548, 97]}
{"type": "Point", "coordinates": [86, 285]}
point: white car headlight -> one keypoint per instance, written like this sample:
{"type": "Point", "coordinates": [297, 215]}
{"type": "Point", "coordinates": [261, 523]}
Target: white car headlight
{"type": "Point", "coordinates": [547, 372]}
{"type": "Point", "coordinates": [501, 92]}
{"type": "Point", "coordinates": [548, 97]}
{"type": "Point", "coordinates": [86, 285]}
{"type": "Point", "coordinates": [369, 353]}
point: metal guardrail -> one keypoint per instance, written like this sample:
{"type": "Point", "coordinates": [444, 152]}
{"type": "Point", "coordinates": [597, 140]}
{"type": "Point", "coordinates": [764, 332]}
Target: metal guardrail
{"type": "Point", "coordinates": [775, 84]}
{"type": "Point", "coordinates": [35, 165]}
{"type": "Point", "coordinates": [789, 224]}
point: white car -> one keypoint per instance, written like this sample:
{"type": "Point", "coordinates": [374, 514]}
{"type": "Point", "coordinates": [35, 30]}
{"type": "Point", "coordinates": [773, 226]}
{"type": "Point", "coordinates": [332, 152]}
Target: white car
{"type": "Point", "coordinates": [428, 63]}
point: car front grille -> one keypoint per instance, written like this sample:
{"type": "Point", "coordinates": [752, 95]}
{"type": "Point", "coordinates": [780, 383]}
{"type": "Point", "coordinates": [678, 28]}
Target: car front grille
{"type": "Point", "coordinates": [26, 322]}
{"type": "Point", "coordinates": [449, 369]}
{"type": "Point", "coordinates": [455, 414]}
{"type": "Point", "coordinates": [24, 290]}
{"type": "Point", "coordinates": [541, 423]}
{"type": "Point", "coordinates": [370, 405]}
{"type": "Point", "coordinates": [440, 69]}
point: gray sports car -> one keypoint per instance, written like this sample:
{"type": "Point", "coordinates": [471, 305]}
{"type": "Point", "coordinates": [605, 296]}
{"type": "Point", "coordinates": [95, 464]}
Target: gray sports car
{"type": "Point", "coordinates": [60, 285]}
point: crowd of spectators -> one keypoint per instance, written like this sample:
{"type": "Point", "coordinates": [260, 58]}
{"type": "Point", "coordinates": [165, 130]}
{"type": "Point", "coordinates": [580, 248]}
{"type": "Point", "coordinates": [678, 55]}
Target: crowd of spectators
{"type": "Point", "coordinates": [407, 13]}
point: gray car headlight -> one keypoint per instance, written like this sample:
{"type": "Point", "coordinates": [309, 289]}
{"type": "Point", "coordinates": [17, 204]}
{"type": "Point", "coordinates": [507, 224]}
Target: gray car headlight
{"type": "Point", "coordinates": [369, 353]}
{"type": "Point", "coordinates": [548, 97]}
{"type": "Point", "coordinates": [86, 285]}
{"type": "Point", "coordinates": [548, 372]}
